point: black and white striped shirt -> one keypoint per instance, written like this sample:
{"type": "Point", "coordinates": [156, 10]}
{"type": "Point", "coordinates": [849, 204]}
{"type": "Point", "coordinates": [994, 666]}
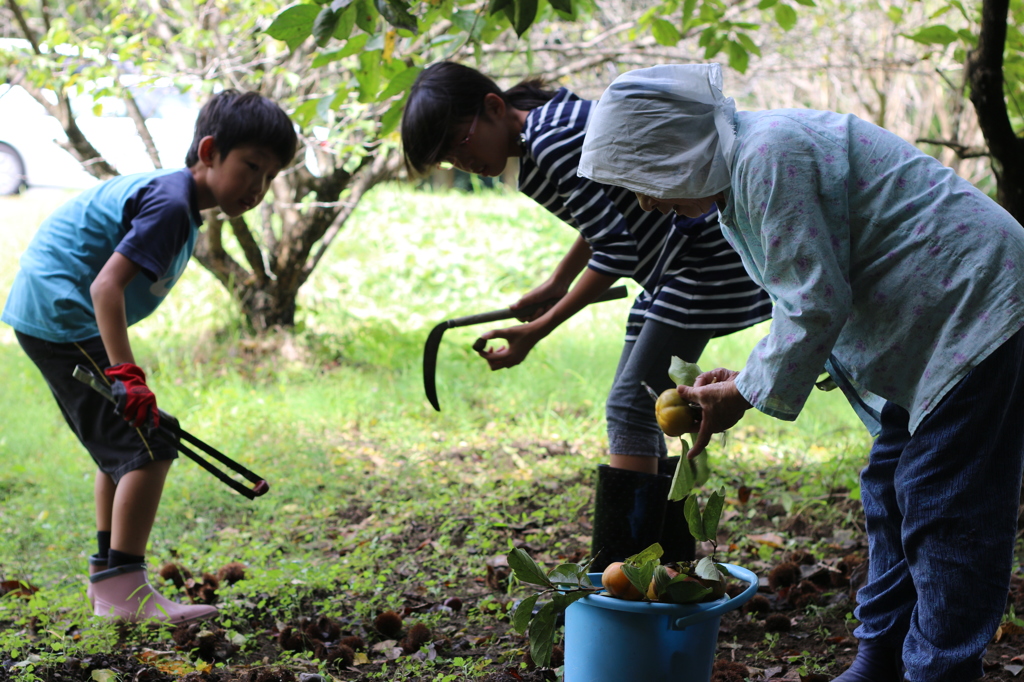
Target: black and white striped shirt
{"type": "Point", "coordinates": [691, 277]}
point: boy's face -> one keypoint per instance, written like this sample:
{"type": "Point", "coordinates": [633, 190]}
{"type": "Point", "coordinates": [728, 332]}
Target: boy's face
{"type": "Point", "coordinates": [239, 180]}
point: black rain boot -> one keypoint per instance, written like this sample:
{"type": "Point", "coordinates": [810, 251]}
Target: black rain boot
{"type": "Point", "coordinates": [875, 662]}
{"type": "Point", "coordinates": [629, 508]}
{"type": "Point", "coordinates": [675, 539]}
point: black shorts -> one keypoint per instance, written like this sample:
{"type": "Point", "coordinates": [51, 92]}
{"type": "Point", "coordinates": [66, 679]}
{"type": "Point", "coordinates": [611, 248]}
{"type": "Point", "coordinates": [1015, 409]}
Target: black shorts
{"type": "Point", "coordinates": [115, 446]}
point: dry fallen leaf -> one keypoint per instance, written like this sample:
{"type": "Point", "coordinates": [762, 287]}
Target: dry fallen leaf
{"type": "Point", "coordinates": [770, 539]}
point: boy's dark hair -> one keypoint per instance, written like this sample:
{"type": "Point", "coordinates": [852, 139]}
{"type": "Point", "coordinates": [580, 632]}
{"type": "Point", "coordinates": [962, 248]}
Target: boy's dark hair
{"type": "Point", "coordinates": [447, 94]}
{"type": "Point", "coordinates": [235, 118]}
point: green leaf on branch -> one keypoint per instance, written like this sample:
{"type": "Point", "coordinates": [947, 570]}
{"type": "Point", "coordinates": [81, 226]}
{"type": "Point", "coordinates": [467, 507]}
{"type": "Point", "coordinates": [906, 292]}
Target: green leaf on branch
{"type": "Point", "coordinates": [707, 569]}
{"type": "Point", "coordinates": [402, 82]}
{"type": "Point", "coordinates": [294, 24]}
{"type": "Point", "coordinates": [767, 4]}
{"type": "Point", "coordinates": [939, 34]}
{"type": "Point", "coordinates": [739, 58]}
{"type": "Point", "coordinates": [786, 16]}
{"type": "Point", "coordinates": [564, 599]}
{"type": "Point", "coordinates": [366, 15]}
{"type": "Point", "coordinates": [682, 590]}
{"type": "Point", "coordinates": [346, 22]}
{"type": "Point", "coordinates": [368, 75]}
{"type": "Point", "coordinates": [682, 372]}
{"type": "Point", "coordinates": [565, 574]}
{"type": "Point", "coordinates": [688, 8]}
{"type": "Point", "coordinates": [683, 480]}
{"type": "Point", "coordinates": [498, 5]}
{"type": "Point", "coordinates": [652, 553]}
{"type": "Point", "coordinates": [324, 26]}
{"type": "Point", "coordinates": [562, 5]}
{"type": "Point", "coordinates": [526, 569]}
{"type": "Point", "coordinates": [665, 33]}
{"type": "Point", "coordinates": [748, 42]}
{"type": "Point", "coordinates": [524, 14]}
{"type": "Point", "coordinates": [542, 634]}
{"type": "Point", "coordinates": [352, 45]}
{"type": "Point", "coordinates": [470, 22]}
{"type": "Point", "coordinates": [523, 613]}
{"type": "Point", "coordinates": [392, 117]}
{"type": "Point", "coordinates": [693, 519]}
{"type": "Point", "coordinates": [712, 514]}
{"type": "Point", "coordinates": [640, 576]}
{"type": "Point", "coordinates": [396, 13]}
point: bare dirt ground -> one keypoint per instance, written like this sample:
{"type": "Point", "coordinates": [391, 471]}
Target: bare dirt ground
{"type": "Point", "coordinates": [798, 628]}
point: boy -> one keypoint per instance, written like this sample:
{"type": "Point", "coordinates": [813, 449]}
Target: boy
{"type": "Point", "coordinates": [79, 290]}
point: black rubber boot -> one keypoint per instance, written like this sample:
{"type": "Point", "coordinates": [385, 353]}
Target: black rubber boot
{"type": "Point", "coordinates": [875, 662]}
{"type": "Point", "coordinates": [629, 509]}
{"type": "Point", "coordinates": [675, 539]}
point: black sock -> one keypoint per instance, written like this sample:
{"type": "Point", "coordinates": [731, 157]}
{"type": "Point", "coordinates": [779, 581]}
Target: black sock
{"type": "Point", "coordinates": [115, 558]}
{"type": "Point", "coordinates": [103, 542]}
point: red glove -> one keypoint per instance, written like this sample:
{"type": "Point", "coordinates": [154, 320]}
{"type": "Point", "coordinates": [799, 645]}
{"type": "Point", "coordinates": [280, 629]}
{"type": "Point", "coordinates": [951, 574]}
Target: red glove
{"type": "Point", "coordinates": [135, 402]}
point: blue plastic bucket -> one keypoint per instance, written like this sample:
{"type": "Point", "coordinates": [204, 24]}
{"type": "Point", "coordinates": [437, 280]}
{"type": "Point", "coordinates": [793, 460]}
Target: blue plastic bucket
{"type": "Point", "coordinates": [614, 640]}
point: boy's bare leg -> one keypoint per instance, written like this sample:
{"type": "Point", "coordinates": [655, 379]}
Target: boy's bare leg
{"type": "Point", "coordinates": [135, 502]}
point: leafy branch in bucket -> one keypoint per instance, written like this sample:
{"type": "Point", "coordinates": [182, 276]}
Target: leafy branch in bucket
{"type": "Point", "coordinates": [682, 583]}
{"type": "Point", "coordinates": [564, 583]}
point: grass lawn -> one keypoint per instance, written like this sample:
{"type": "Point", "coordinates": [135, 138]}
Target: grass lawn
{"type": "Point", "coordinates": [377, 501]}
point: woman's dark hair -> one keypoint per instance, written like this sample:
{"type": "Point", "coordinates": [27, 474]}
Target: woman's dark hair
{"type": "Point", "coordinates": [235, 118]}
{"type": "Point", "coordinates": [447, 94]}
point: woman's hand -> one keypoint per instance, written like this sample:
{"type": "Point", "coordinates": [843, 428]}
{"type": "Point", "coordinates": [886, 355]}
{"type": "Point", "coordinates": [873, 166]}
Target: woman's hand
{"type": "Point", "coordinates": [714, 376]}
{"type": "Point", "coordinates": [721, 405]}
{"type": "Point", "coordinates": [521, 340]}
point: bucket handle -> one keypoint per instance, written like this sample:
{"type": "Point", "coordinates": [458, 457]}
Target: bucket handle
{"type": "Point", "coordinates": [739, 600]}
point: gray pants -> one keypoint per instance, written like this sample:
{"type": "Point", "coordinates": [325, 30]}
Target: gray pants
{"type": "Point", "coordinates": [632, 428]}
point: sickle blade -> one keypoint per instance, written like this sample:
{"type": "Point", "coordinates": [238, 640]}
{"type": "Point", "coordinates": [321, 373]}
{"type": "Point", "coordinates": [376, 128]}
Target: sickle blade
{"type": "Point", "coordinates": [430, 363]}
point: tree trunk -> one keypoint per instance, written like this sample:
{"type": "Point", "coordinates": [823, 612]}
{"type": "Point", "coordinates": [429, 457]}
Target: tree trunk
{"type": "Point", "coordinates": [266, 286]}
{"type": "Point", "coordinates": [985, 74]}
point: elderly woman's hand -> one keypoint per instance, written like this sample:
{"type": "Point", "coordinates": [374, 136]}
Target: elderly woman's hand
{"type": "Point", "coordinates": [720, 402]}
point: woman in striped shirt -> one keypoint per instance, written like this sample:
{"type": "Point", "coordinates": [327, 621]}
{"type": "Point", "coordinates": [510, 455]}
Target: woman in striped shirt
{"type": "Point", "coordinates": [694, 285]}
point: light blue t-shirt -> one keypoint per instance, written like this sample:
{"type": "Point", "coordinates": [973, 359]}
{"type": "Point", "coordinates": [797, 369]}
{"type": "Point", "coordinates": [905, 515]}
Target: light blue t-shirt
{"type": "Point", "coordinates": [150, 218]}
{"type": "Point", "coordinates": [874, 253]}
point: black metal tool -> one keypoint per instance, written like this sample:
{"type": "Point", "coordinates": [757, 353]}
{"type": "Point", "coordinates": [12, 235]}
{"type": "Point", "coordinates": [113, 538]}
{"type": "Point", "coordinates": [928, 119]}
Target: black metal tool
{"type": "Point", "coordinates": [170, 429]}
{"type": "Point", "coordinates": [434, 339]}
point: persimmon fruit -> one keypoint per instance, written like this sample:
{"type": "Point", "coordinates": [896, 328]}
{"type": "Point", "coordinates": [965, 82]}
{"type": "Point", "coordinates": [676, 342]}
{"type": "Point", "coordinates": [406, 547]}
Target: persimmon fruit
{"type": "Point", "coordinates": [674, 415]}
{"type": "Point", "coordinates": [668, 574]}
{"type": "Point", "coordinates": [614, 580]}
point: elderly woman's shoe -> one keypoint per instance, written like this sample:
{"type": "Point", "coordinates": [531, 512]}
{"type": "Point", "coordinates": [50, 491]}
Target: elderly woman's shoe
{"type": "Point", "coordinates": [875, 662]}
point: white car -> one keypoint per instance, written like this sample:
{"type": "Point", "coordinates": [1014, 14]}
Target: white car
{"type": "Point", "coordinates": [30, 155]}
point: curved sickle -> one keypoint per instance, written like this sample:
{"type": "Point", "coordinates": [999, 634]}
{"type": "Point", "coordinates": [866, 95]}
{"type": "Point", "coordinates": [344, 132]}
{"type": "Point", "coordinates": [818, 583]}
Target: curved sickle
{"type": "Point", "coordinates": [434, 338]}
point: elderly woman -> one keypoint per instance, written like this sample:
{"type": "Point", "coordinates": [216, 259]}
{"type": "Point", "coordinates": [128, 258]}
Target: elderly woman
{"type": "Point", "coordinates": [906, 282]}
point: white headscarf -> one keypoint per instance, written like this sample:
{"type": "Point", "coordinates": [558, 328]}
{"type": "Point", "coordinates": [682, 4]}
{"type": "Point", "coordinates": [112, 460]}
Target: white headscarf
{"type": "Point", "coordinates": [666, 131]}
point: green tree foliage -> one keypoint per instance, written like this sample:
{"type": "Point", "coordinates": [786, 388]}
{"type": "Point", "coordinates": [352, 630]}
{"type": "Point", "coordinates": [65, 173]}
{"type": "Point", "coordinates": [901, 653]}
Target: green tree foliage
{"type": "Point", "coordinates": [343, 70]}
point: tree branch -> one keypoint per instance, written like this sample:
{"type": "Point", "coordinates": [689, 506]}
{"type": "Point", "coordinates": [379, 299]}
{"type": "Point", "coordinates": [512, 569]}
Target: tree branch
{"type": "Point", "coordinates": [250, 248]}
{"type": "Point", "coordinates": [210, 252]}
{"type": "Point", "coordinates": [963, 151]}
{"type": "Point", "coordinates": [383, 167]}
{"type": "Point", "coordinates": [140, 127]}
{"type": "Point", "coordinates": [985, 74]}
{"type": "Point", "coordinates": [26, 31]}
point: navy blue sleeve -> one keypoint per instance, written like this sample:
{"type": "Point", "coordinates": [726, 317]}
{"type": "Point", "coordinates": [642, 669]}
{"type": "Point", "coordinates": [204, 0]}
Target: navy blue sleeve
{"type": "Point", "coordinates": [158, 220]}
